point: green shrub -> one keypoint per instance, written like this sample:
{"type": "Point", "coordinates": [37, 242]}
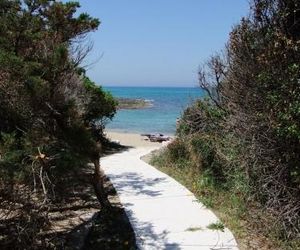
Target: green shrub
{"type": "Point", "coordinates": [216, 226]}
{"type": "Point", "coordinates": [177, 150]}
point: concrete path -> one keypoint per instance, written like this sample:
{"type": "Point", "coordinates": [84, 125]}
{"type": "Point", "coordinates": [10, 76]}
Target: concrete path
{"type": "Point", "coordinates": [163, 213]}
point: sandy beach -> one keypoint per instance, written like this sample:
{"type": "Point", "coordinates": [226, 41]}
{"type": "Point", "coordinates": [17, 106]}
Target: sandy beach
{"type": "Point", "coordinates": [131, 139]}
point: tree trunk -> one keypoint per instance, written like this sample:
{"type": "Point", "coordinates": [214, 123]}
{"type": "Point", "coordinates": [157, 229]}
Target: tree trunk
{"type": "Point", "coordinates": [98, 183]}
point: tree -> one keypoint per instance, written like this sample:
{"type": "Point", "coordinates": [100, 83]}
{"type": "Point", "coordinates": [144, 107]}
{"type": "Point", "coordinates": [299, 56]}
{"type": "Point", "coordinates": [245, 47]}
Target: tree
{"type": "Point", "coordinates": [47, 110]}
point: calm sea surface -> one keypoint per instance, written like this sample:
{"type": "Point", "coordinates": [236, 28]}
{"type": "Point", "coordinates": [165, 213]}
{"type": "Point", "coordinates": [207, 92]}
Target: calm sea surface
{"type": "Point", "coordinates": [167, 105]}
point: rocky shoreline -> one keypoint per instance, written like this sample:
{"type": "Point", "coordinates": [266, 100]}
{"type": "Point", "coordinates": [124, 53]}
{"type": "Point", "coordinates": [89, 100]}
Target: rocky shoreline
{"type": "Point", "coordinates": [131, 103]}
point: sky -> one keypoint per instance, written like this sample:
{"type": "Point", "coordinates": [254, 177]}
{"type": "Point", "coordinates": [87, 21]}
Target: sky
{"type": "Point", "coordinates": [157, 42]}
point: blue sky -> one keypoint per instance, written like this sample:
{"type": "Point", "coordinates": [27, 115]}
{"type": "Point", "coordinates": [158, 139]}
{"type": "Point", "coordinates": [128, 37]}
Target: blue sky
{"type": "Point", "coordinates": [157, 42]}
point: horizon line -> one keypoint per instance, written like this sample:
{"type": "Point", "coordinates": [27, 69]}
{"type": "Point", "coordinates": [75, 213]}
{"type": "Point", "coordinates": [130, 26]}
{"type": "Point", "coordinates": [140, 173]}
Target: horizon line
{"type": "Point", "coordinates": [154, 86]}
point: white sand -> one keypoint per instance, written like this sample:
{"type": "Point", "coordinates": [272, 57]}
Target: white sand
{"type": "Point", "coordinates": [131, 139]}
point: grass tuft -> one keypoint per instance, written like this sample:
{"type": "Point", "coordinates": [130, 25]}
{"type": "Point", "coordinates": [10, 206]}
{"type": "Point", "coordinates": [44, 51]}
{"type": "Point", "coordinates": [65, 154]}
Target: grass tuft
{"type": "Point", "coordinates": [216, 226]}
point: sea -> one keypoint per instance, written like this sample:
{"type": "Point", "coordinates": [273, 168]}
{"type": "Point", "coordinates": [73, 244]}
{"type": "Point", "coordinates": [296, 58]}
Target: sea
{"type": "Point", "coordinates": [167, 104]}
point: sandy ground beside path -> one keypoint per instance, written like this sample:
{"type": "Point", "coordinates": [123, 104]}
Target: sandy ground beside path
{"type": "Point", "coordinates": [131, 139]}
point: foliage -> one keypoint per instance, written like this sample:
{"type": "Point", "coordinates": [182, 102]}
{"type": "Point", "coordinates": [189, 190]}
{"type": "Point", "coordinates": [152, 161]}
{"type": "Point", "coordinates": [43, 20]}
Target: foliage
{"type": "Point", "coordinates": [48, 112]}
{"type": "Point", "coordinates": [101, 104]}
{"type": "Point", "coordinates": [261, 91]}
{"type": "Point", "coordinates": [216, 226]}
{"type": "Point", "coordinates": [177, 150]}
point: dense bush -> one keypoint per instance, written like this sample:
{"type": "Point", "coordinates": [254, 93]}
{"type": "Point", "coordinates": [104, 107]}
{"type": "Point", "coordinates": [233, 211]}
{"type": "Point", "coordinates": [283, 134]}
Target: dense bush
{"type": "Point", "coordinates": [177, 150]}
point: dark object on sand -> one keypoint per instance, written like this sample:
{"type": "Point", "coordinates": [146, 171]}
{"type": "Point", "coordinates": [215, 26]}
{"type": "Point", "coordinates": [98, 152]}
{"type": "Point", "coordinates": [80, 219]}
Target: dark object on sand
{"type": "Point", "coordinates": [157, 137]}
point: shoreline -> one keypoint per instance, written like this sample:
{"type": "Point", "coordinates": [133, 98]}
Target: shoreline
{"type": "Point", "coordinates": [125, 131]}
{"type": "Point", "coordinates": [131, 139]}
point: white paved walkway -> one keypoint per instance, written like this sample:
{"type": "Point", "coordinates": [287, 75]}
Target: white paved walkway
{"type": "Point", "coordinates": [163, 213]}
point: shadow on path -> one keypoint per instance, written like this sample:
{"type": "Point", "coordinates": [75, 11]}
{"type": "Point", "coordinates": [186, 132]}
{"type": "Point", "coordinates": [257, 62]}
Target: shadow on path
{"type": "Point", "coordinates": [146, 235]}
{"type": "Point", "coordinates": [139, 185]}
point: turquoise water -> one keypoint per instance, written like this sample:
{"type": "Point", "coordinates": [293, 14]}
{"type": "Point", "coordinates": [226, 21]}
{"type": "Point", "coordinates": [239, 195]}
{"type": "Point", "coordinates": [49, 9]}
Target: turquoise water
{"type": "Point", "coordinates": [167, 106]}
